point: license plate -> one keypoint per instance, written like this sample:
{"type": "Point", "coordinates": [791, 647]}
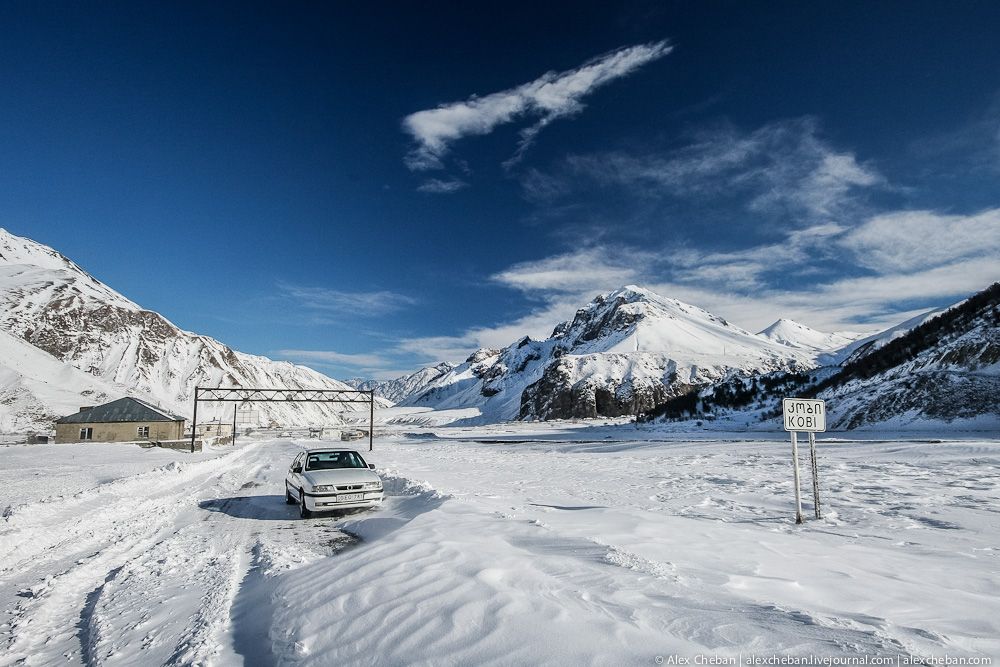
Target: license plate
{"type": "Point", "coordinates": [348, 497]}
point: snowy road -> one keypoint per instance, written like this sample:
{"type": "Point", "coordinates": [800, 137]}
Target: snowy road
{"type": "Point", "coordinates": [502, 553]}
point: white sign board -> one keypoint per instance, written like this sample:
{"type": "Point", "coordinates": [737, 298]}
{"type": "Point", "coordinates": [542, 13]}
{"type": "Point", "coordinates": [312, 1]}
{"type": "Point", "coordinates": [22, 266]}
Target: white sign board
{"type": "Point", "coordinates": [804, 414]}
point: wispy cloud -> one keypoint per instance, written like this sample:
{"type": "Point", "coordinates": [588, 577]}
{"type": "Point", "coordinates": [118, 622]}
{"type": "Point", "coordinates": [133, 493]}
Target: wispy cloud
{"type": "Point", "coordinates": [782, 167]}
{"type": "Point", "coordinates": [441, 186]}
{"type": "Point", "coordinates": [552, 96]}
{"type": "Point", "coordinates": [574, 271]}
{"type": "Point", "coordinates": [432, 349]}
{"type": "Point", "coordinates": [748, 267]}
{"type": "Point", "coordinates": [559, 285]}
{"type": "Point", "coordinates": [334, 358]}
{"type": "Point", "coordinates": [883, 269]}
{"type": "Point", "coordinates": [359, 304]}
{"type": "Point", "coordinates": [913, 240]}
{"type": "Point", "coordinates": [881, 279]}
{"type": "Point", "coordinates": [538, 323]}
{"type": "Point", "coordinates": [856, 303]}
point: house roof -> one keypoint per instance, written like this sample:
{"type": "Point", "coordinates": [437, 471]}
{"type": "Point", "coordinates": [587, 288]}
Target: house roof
{"type": "Point", "coordinates": [126, 409]}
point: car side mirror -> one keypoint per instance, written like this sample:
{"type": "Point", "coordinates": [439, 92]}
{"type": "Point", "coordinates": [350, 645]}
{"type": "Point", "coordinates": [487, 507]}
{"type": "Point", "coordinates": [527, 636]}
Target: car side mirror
{"type": "Point", "coordinates": [296, 468]}
{"type": "Point", "coordinates": [371, 466]}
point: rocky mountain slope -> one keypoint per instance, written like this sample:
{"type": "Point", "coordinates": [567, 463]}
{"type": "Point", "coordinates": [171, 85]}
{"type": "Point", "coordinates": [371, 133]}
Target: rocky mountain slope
{"type": "Point", "coordinates": [402, 388]}
{"type": "Point", "coordinates": [35, 386]}
{"type": "Point", "coordinates": [941, 367]}
{"type": "Point", "coordinates": [623, 353]}
{"type": "Point", "coordinates": [48, 301]}
{"type": "Point", "coordinates": [946, 368]}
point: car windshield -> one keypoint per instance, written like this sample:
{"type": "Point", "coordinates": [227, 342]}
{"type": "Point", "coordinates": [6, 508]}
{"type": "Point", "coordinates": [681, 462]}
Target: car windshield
{"type": "Point", "coordinates": [333, 460]}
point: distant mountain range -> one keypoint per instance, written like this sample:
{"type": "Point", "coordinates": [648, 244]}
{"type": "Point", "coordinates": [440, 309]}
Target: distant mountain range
{"type": "Point", "coordinates": [632, 351]}
{"type": "Point", "coordinates": [401, 388]}
{"type": "Point", "coordinates": [69, 340]}
{"type": "Point", "coordinates": [624, 353]}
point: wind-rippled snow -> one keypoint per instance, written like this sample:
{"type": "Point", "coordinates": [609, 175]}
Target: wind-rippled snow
{"type": "Point", "coordinates": [519, 544]}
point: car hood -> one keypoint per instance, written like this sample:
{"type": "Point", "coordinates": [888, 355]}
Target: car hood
{"type": "Point", "coordinates": [340, 476]}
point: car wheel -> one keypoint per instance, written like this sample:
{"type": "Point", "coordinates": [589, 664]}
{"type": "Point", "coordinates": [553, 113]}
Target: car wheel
{"type": "Point", "coordinates": [288, 497]}
{"type": "Point", "coordinates": [303, 510]}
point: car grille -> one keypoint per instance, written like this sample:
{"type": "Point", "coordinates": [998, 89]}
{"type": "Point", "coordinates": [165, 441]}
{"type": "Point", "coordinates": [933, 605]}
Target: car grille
{"type": "Point", "coordinates": [352, 487]}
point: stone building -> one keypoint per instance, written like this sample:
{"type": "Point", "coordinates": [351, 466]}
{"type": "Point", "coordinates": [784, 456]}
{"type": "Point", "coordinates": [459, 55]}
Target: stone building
{"type": "Point", "coordinates": [125, 420]}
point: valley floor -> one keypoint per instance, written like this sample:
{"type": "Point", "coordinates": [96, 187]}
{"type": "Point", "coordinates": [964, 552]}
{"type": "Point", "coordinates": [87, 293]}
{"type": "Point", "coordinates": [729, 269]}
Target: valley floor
{"type": "Point", "coordinates": [506, 546]}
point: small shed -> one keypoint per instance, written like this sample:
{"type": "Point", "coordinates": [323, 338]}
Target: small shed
{"type": "Point", "coordinates": [125, 420]}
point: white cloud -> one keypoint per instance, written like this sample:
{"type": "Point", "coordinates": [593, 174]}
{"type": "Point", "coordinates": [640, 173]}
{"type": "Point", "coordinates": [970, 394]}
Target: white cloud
{"type": "Point", "coordinates": [746, 267]}
{"type": "Point", "coordinates": [440, 186]}
{"type": "Point", "coordinates": [359, 304]}
{"type": "Point", "coordinates": [857, 303]}
{"type": "Point", "coordinates": [585, 269]}
{"type": "Point", "coordinates": [888, 266]}
{"type": "Point", "coordinates": [911, 240]}
{"type": "Point", "coordinates": [553, 95]}
{"type": "Point", "coordinates": [906, 257]}
{"type": "Point", "coordinates": [829, 181]}
{"type": "Point", "coordinates": [331, 357]}
{"type": "Point", "coordinates": [432, 349]}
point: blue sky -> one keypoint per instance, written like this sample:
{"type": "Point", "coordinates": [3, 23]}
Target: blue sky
{"type": "Point", "coordinates": [367, 188]}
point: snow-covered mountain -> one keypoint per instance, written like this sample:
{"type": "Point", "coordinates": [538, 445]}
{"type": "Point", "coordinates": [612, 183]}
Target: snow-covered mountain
{"type": "Point", "coordinates": [34, 386]}
{"type": "Point", "coordinates": [945, 368]}
{"type": "Point", "coordinates": [938, 367]}
{"type": "Point", "coordinates": [623, 353]}
{"type": "Point", "coordinates": [114, 347]}
{"type": "Point", "coordinates": [791, 333]}
{"type": "Point", "coordinates": [401, 388]}
{"type": "Point", "coordinates": [866, 345]}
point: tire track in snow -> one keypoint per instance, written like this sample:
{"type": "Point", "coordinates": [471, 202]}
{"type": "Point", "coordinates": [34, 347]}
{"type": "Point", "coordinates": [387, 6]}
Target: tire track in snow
{"type": "Point", "coordinates": [187, 585]}
{"type": "Point", "coordinates": [37, 533]}
{"type": "Point", "coordinates": [42, 626]}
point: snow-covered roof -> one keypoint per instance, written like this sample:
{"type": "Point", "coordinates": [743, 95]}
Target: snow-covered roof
{"type": "Point", "coordinates": [126, 409]}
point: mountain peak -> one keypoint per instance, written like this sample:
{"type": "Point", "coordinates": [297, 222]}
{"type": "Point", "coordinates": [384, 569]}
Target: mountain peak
{"type": "Point", "coordinates": [782, 325]}
{"type": "Point", "coordinates": [795, 334]}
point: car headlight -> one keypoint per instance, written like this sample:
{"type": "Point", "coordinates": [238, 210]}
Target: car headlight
{"type": "Point", "coordinates": [325, 487]}
{"type": "Point", "coordinates": [373, 485]}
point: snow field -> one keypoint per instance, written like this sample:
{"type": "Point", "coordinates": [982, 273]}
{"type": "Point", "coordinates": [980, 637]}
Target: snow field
{"type": "Point", "coordinates": [556, 552]}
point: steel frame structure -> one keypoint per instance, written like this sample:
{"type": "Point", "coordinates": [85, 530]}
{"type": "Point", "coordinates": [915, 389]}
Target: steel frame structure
{"type": "Point", "coordinates": [241, 395]}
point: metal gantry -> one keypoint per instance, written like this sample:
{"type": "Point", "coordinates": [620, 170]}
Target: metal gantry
{"type": "Point", "coordinates": [281, 395]}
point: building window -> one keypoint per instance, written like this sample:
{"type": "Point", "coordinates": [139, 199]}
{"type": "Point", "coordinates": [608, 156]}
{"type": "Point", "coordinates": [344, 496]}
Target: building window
{"type": "Point", "coordinates": [86, 433]}
{"type": "Point", "coordinates": [143, 431]}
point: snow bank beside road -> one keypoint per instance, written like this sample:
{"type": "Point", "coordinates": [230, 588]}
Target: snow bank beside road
{"type": "Point", "coordinates": [32, 473]}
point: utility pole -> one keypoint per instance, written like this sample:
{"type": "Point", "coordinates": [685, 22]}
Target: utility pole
{"type": "Point", "coordinates": [194, 422]}
{"type": "Point", "coordinates": [371, 421]}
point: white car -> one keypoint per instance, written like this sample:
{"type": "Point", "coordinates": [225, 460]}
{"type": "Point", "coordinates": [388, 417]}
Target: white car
{"type": "Point", "coordinates": [323, 480]}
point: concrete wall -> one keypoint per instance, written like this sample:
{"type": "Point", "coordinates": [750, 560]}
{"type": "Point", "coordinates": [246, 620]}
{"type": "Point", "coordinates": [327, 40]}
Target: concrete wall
{"type": "Point", "coordinates": [182, 445]}
{"type": "Point", "coordinates": [120, 431]}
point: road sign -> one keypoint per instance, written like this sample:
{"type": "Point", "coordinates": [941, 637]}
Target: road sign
{"type": "Point", "coordinates": [804, 414]}
{"type": "Point", "coordinates": [809, 415]}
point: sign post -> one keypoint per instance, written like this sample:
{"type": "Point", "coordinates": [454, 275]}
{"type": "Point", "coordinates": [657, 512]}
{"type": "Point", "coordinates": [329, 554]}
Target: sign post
{"type": "Point", "coordinates": [798, 486]}
{"type": "Point", "coordinates": [815, 469]}
{"type": "Point", "coordinates": [809, 415]}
